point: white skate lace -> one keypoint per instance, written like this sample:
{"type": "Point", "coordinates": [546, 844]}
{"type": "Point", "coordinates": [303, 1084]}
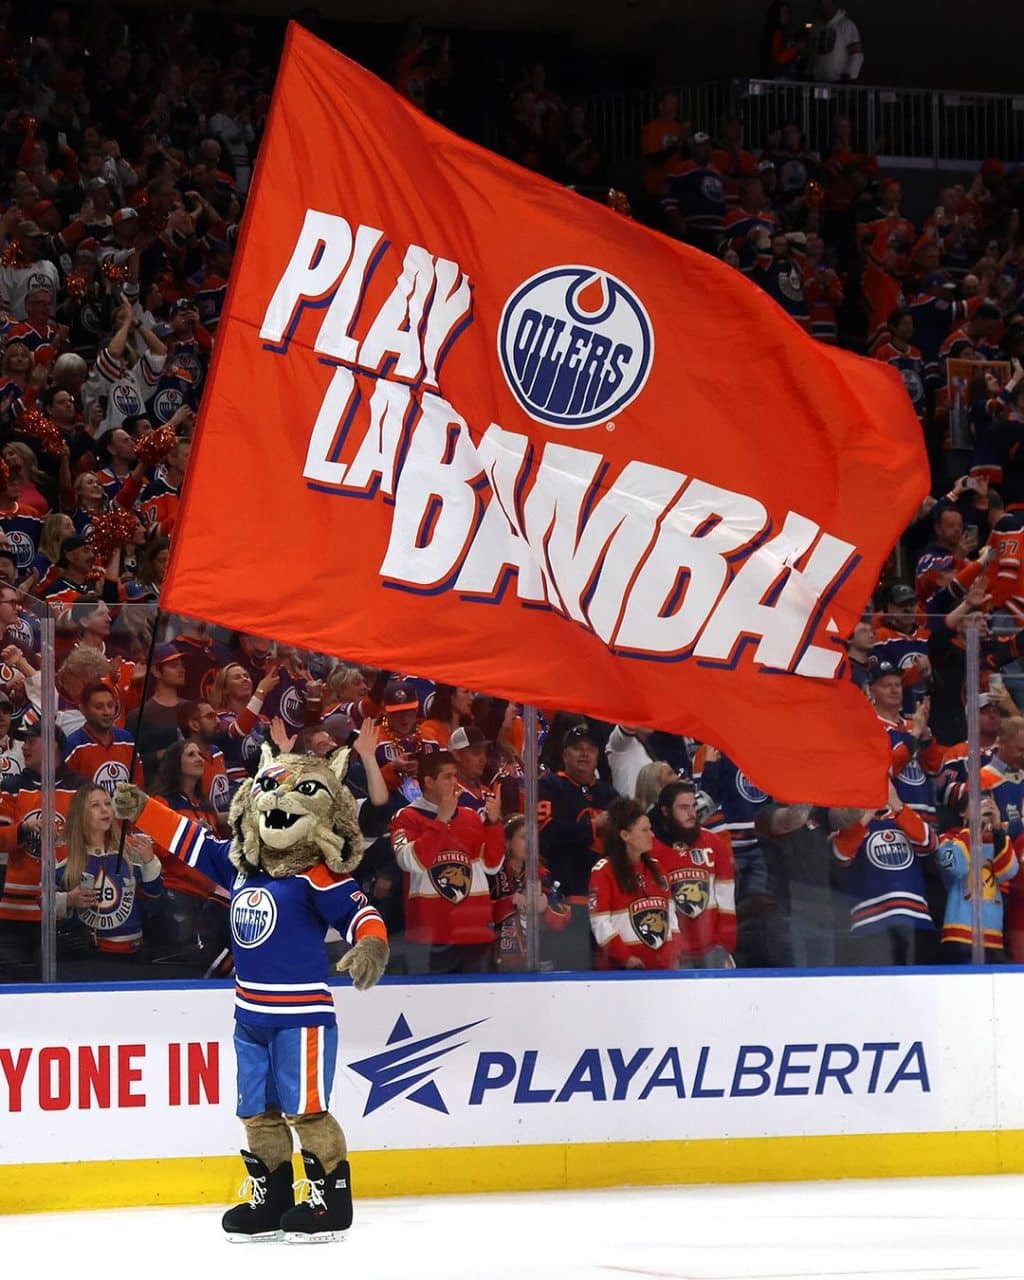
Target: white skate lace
{"type": "Point", "coordinates": [255, 1189]}
{"type": "Point", "coordinates": [311, 1189]}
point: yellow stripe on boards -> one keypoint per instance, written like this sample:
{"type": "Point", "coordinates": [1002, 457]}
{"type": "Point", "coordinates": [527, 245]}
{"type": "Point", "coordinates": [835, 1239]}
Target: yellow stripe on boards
{"type": "Point", "coordinates": [109, 1184]}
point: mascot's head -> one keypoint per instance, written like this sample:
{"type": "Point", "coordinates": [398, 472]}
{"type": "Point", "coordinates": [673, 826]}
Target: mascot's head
{"type": "Point", "coordinates": [295, 813]}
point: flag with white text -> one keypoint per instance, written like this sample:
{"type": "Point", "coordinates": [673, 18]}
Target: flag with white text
{"type": "Point", "coordinates": [466, 424]}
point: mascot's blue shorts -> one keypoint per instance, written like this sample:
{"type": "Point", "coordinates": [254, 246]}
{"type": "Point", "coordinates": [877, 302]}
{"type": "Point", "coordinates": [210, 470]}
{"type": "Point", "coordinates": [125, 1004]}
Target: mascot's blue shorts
{"type": "Point", "coordinates": [291, 1068]}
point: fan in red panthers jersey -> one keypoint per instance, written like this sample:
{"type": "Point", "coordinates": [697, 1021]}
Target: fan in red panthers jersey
{"type": "Point", "coordinates": [632, 911]}
{"type": "Point", "coordinates": [698, 867]}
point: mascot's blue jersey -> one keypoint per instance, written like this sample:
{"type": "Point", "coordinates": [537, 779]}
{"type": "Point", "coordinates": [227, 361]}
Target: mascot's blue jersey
{"type": "Point", "coordinates": [277, 925]}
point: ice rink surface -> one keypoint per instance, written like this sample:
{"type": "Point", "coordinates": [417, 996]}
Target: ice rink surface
{"type": "Point", "coordinates": [922, 1229]}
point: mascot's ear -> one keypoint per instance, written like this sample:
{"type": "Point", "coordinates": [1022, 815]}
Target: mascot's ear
{"type": "Point", "coordinates": [338, 762]}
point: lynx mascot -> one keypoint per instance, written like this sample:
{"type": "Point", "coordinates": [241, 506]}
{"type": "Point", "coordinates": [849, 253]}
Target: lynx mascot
{"type": "Point", "coordinates": [296, 839]}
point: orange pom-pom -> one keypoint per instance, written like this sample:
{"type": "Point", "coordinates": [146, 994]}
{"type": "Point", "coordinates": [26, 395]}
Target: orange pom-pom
{"type": "Point", "coordinates": [154, 446]}
{"type": "Point", "coordinates": [111, 529]}
{"type": "Point", "coordinates": [12, 256]}
{"type": "Point", "coordinates": [35, 423]}
{"type": "Point", "coordinates": [115, 272]}
{"type": "Point", "coordinates": [76, 285]}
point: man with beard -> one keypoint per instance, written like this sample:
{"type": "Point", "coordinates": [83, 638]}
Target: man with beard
{"type": "Point", "coordinates": [699, 869]}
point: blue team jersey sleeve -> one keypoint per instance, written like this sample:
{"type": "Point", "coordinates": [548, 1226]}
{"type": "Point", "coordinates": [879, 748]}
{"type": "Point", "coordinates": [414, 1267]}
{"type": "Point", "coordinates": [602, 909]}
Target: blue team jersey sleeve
{"type": "Point", "coordinates": [339, 902]}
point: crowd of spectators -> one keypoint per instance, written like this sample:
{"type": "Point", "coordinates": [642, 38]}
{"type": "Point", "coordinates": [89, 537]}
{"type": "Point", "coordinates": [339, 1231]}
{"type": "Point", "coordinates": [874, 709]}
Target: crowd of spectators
{"type": "Point", "coordinates": [126, 168]}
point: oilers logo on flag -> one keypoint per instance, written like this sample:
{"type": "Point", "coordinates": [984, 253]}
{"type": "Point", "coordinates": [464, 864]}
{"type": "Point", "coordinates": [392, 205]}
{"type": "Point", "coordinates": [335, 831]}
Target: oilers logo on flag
{"type": "Point", "coordinates": [253, 917]}
{"type": "Point", "coordinates": [576, 346]}
{"type": "Point", "coordinates": [889, 850]}
{"type": "Point", "coordinates": [649, 917]}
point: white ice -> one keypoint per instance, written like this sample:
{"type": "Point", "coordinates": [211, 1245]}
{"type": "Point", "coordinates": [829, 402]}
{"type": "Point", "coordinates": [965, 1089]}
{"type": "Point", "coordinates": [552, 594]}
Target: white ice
{"type": "Point", "coordinates": [921, 1229]}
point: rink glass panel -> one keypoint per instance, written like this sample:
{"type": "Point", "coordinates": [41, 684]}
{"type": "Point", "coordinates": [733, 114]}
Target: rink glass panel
{"type": "Point", "coordinates": [792, 897]}
{"type": "Point", "coordinates": [26, 849]}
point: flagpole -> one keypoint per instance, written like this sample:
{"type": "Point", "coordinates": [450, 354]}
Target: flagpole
{"type": "Point", "coordinates": [532, 769]}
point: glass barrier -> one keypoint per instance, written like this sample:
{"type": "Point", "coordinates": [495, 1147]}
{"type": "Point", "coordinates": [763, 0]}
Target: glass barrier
{"type": "Point", "coordinates": [29, 832]}
{"type": "Point", "coordinates": [649, 850]}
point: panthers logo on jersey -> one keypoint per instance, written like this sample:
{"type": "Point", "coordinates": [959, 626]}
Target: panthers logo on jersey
{"type": "Point", "coordinates": [452, 877]}
{"type": "Point", "coordinates": [692, 896]}
{"type": "Point", "coordinates": [649, 918]}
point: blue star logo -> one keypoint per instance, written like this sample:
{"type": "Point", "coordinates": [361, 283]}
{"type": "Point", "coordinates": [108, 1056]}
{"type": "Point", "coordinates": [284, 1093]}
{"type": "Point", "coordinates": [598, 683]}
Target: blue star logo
{"type": "Point", "coordinates": [404, 1069]}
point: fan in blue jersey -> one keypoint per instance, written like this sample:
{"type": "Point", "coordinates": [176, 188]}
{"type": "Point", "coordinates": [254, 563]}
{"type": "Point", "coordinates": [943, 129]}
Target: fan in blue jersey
{"type": "Point", "coordinates": [297, 839]}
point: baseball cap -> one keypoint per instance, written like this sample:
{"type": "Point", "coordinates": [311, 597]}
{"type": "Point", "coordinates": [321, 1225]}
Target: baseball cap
{"type": "Point", "coordinates": [29, 229]}
{"type": "Point", "coordinates": [900, 593]}
{"type": "Point", "coordinates": [937, 280]}
{"type": "Point", "coordinates": [579, 733]}
{"type": "Point", "coordinates": [399, 696]}
{"type": "Point", "coordinates": [70, 544]}
{"type": "Point", "coordinates": [124, 215]}
{"type": "Point", "coordinates": [879, 670]}
{"type": "Point", "coordinates": [165, 653]}
{"type": "Point", "coordinates": [700, 136]}
{"type": "Point", "coordinates": [182, 304]}
{"type": "Point", "coordinates": [471, 736]}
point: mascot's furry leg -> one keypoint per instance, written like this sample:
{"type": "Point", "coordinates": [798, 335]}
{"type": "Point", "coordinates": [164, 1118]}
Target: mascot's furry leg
{"type": "Point", "coordinates": [268, 1163]}
{"type": "Point", "coordinates": [328, 1211]}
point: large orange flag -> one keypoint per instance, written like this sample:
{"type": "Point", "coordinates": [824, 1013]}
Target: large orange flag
{"type": "Point", "coordinates": [464, 423]}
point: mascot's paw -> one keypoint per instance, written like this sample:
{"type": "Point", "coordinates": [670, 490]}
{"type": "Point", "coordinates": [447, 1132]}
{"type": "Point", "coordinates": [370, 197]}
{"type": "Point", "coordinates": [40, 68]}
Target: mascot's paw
{"type": "Point", "coordinates": [129, 801]}
{"type": "Point", "coordinates": [365, 962]}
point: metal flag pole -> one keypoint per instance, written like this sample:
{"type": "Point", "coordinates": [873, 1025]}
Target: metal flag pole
{"type": "Point", "coordinates": [531, 766]}
{"type": "Point", "coordinates": [976, 876]}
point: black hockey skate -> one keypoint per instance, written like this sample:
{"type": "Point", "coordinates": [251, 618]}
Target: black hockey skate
{"type": "Point", "coordinates": [327, 1214]}
{"type": "Point", "coordinates": [270, 1196]}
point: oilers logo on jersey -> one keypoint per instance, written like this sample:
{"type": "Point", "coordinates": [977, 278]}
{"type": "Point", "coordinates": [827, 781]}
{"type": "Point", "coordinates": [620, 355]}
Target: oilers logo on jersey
{"type": "Point", "coordinates": [712, 188]}
{"type": "Point", "coordinates": [751, 793]}
{"type": "Point", "coordinates": [292, 708]}
{"type": "Point", "coordinates": [912, 774]}
{"type": "Point", "coordinates": [253, 918]}
{"type": "Point", "coordinates": [649, 918]}
{"type": "Point", "coordinates": [452, 876]}
{"type": "Point", "coordinates": [30, 837]}
{"type": "Point", "coordinates": [576, 346]}
{"type": "Point", "coordinates": [20, 548]}
{"type": "Point", "coordinates": [114, 902]}
{"type": "Point", "coordinates": [220, 793]}
{"type": "Point", "coordinates": [167, 402]}
{"type": "Point", "coordinates": [126, 399]}
{"type": "Point", "coordinates": [889, 850]}
{"type": "Point", "coordinates": [109, 774]}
